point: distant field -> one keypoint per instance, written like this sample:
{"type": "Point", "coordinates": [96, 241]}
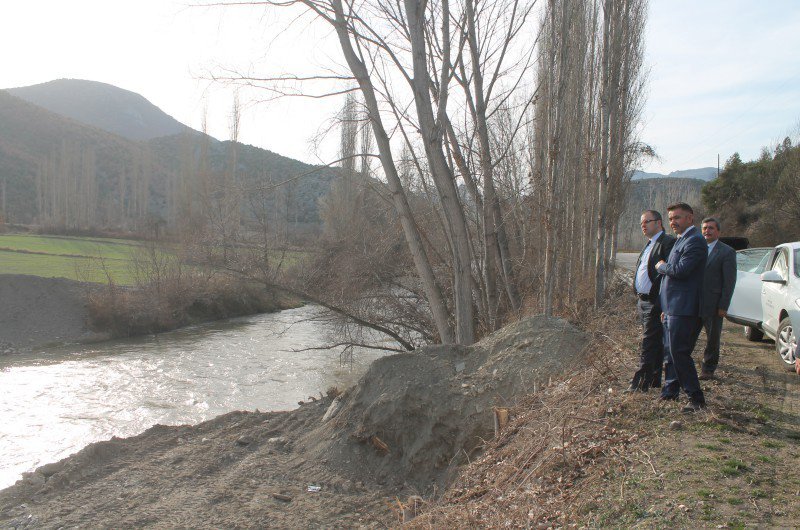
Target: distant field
{"type": "Point", "coordinates": [86, 258]}
{"type": "Point", "coordinates": [77, 258]}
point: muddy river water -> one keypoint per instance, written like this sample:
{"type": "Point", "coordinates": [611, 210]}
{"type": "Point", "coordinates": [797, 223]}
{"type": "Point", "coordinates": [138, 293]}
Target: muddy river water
{"type": "Point", "coordinates": [54, 402]}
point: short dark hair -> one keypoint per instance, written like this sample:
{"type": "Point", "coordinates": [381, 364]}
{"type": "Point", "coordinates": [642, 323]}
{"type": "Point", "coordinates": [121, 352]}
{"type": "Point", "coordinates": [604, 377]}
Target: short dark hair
{"type": "Point", "coordinates": [712, 220]}
{"type": "Point", "coordinates": [680, 206]}
{"type": "Point", "coordinates": [656, 215]}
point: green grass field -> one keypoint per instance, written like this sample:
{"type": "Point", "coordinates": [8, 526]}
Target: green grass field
{"type": "Point", "coordinates": [89, 259]}
{"type": "Point", "coordinates": [77, 258]}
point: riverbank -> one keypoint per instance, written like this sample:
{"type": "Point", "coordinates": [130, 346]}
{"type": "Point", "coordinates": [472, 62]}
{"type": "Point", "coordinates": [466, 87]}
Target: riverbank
{"type": "Point", "coordinates": [38, 311]}
{"type": "Point", "coordinates": [576, 451]}
{"type": "Point", "coordinates": [404, 429]}
{"type": "Point", "coordinates": [583, 454]}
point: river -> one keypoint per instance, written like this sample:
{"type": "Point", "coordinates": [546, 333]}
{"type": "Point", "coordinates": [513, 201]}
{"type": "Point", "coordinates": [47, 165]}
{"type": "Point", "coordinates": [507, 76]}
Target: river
{"type": "Point", "coordinates": [55, 402]}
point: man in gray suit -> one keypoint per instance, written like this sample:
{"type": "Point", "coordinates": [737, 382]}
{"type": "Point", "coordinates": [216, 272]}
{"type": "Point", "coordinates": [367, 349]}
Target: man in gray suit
{"type": "Point", "coordinates": [718, 284]}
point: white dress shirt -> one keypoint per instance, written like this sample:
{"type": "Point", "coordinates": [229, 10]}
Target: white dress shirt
{"type": "Point", "coordinates": [643, 283]}
{"type": "Point", "coordinates": [711, 246]}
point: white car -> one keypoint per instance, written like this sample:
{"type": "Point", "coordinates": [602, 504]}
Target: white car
{"type": "Point", "coordinates": [766, 299]}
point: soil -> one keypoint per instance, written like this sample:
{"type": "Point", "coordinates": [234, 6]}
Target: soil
{"type": "Point", "coordinates": [581, 453]}
{"type": "Point", "coordinates": [35, 311]}
{"type": "Point", "coordinates": [404, 429]}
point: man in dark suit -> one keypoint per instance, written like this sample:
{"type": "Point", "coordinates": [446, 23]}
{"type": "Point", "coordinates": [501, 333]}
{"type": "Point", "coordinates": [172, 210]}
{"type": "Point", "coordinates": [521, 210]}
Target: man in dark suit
{"type": "Point", "coordinates": [683, 275]}
{"type": "Point", "coordinates": [646, 284]}
{"type": "Point", "coordinates": [718, 284]}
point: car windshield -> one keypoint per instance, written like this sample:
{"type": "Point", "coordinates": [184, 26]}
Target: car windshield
{"type": "Point", "coordinates": [753, 259]}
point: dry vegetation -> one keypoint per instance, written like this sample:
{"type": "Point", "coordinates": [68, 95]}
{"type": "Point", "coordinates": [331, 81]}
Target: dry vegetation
{"type": "Point", "coordinates": [167, 294]}
{"type": "Point", "coordinates": [579, 452]}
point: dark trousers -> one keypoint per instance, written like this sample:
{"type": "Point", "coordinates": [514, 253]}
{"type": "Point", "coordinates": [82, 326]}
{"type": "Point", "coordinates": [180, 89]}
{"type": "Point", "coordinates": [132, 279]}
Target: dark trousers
{"type": "Point", "coordinates": [680, 373]}
{"type": "Point", "coordinates": [651, 351]}
{"type": "Point", "coordinates": [713, 327]}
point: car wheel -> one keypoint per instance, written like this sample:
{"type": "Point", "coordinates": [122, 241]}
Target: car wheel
{"type": "Point", "coordinates": [753, 334]}
{"type": "Point", "coordinates": [786, 341]}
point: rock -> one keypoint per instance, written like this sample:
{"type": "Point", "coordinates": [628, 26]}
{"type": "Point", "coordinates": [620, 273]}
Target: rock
{"type": "Point", "coordinates": [48, 470]}
{"type": "Point", "coordinates": [278, 440]}
{"type": "Point", "coordinates": [333, 409]}
{"type": "Point", "coordinates": [460, 366]}
{"type": "Point", "coordinates": [244, 440]}
{"type": "Point", "coordinates": [675, 425]}
{"type": "Point", "coordinates": [282, 497]}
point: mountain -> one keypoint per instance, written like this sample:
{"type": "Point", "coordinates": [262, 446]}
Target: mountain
{"type": "Point", "coordinates": [704, 173]}
{"type": "Point", "coordinates": [53, 165]}
{"type": "Point", "coordinates": [656, 194]}
{"type": "Point", "coordinates": [104, 106]}
{"type": "Point", "coordinates": [32, 137]}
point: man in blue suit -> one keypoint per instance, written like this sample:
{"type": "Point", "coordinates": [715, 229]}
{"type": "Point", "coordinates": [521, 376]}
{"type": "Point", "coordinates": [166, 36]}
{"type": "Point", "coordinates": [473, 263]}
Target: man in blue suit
{"type": "Point", "coordinates": [680, 295]}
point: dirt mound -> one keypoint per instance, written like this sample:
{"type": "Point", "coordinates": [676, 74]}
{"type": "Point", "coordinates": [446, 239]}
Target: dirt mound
{"type": "Point", "coordinates": [404, 428]}
{"type": "Point", "coordinates": [433, 409]}
{"type": "Point", "coordinates": [37, 311]}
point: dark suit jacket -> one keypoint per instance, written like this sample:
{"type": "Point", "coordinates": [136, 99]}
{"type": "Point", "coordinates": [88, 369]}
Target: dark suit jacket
{"type": "Point", "coordinates": [661, 249]}
{"type": "Point", "coordinates": [719, 280]}
{"type": "Point", "coordinates": [683, 275]}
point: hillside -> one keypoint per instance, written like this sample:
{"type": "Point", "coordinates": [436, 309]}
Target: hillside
{"type": "Point", "coordinates": [296, 200]}
{"type": "Point", "coordinates": [127, 181]}
{"type": "Point", "coordinates": [655, 194]}
{"type": "Point", "coordinates": [702, 173]}
{"type": "Point", "coordinates": [30, 136]}
{"type": "Point", "coordinates": [103, 106]}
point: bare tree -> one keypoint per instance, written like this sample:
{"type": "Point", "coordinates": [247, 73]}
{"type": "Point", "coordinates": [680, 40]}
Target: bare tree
{"type": "Point", "coordinates": [452, 85]}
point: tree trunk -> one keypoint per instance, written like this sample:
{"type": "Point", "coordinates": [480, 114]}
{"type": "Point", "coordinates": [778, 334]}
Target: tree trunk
{"type": "Point", "coordinates": [432, 291]}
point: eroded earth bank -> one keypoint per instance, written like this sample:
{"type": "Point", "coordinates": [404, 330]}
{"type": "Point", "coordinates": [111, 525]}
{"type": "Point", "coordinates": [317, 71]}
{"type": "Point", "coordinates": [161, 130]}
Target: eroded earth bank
{"type": "Point", "coordinates": [402, 430]}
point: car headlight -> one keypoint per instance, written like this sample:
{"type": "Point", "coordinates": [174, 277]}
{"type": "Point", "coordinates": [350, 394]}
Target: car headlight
{"type": "Point", "coordinates": [797, 303]}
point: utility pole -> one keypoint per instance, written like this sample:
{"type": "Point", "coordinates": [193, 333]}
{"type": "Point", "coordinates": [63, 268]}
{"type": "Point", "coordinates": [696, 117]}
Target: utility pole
{"type": "Point", "coordinates": [717, 165]}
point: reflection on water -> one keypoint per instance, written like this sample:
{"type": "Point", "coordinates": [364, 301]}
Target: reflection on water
{"type": "Point", "coordinates": [54, 403]}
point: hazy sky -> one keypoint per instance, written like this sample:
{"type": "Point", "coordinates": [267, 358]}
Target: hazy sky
{"type": "Point", "coordinates": [724, 75]}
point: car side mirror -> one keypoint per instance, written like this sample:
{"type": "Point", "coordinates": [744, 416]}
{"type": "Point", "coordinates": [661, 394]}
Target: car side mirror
{"type": "Point", "coordinates": [772, 277]}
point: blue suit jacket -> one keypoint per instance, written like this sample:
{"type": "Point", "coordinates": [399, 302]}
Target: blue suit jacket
{"type": "Point", "coordinates": [682, 285]}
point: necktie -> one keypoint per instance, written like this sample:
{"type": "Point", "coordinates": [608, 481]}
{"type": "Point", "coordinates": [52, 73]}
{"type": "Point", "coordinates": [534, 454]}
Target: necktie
{"type": "Point", "coordinates": [644, 249]}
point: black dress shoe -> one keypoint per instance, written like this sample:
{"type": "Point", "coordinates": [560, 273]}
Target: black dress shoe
{"type": "Point", "coordinates": [706, 376]}
{"type": "Point", "coordinates": [668, 397]}
{"type": "Point", "coordinates": [693, 406]}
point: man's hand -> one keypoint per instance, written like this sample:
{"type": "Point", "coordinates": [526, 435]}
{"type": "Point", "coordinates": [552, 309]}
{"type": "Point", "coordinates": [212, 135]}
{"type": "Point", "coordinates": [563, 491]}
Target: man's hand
{"type": "Point", "coordinates": [662, 317]}
{"type": "Point", "coordinates": [722, 313]}
{"type": "Point", "coordinates": [659, 264]}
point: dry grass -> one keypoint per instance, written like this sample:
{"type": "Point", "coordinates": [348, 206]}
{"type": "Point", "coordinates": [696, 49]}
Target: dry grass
{"type": "Point", "coordinates": [580, 453]}
{"type": "Point", "coordinates": [168, 295]}
{"type": "Point", "coordinates": [125, 312]}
